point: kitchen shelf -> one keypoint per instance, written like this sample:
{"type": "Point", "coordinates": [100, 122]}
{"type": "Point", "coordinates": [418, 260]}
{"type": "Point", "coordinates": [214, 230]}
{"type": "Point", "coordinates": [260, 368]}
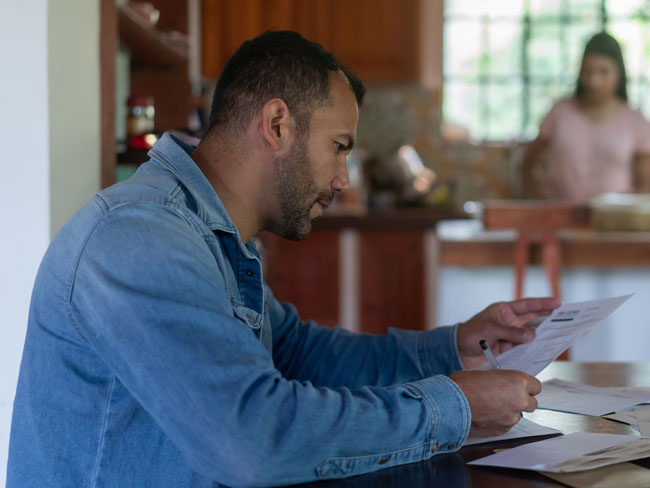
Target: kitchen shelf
{"type": "Point", "coordinates": [146, 44]}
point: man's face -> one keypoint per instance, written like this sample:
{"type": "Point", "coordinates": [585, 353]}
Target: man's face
{"type": "Point", "coordinates": [307, 178]}
{"type": "Point", "coordinates": [297, 192]}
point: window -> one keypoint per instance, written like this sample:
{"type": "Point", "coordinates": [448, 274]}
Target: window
{"type": "Point", "coordinates": [506, 61]}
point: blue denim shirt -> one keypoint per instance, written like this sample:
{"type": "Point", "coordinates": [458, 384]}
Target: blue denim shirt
{"type": "Point", "coordinates": [157, 356]}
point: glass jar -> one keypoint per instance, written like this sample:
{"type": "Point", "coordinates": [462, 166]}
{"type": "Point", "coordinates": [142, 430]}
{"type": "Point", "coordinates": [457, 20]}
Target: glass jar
{"type": "Point", "coordinates": [140, 122]}
{"type": "Point", "coordinates": [140, 115]}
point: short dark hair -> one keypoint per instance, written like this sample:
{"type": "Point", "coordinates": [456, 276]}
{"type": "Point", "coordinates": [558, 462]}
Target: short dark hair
{"type": "Point", "coordinates": [603, 44]}
{"type": "Point", "coordinates": [276, 64]}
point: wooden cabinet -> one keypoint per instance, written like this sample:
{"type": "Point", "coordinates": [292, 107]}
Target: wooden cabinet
{"type": "Point", "coordinates": [393, 269]}
{"type": "Point", "coordinates": [365, 273]}
{"type": "Point", "coordinates": [381, 40]}
{"type": "Point", "coordinates": [306, 274]}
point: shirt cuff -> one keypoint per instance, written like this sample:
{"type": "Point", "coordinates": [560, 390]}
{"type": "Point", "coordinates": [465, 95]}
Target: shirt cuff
{"type": "Point", "coordinates": [438, 351]}
{"type": "Point", "coordinates": [450, 412]}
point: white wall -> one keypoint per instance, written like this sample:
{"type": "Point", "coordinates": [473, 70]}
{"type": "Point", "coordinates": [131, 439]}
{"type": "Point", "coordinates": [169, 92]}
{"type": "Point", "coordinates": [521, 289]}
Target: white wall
{"type": "Point", "coordinates": [49, 164]}
{"type": "Point", "coordinates": [465, 291]}
{"type": "Point", "coordinates": [24, 179]}
{"type": "Point", "coordinates": [73, 69]}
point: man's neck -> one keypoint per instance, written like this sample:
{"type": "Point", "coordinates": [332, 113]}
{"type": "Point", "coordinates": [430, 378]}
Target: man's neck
{"type": "Point", "coordinates": [230, 177]}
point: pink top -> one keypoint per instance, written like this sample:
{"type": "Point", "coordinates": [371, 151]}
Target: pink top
{"type": "Point", "coordinates": [590, 157]}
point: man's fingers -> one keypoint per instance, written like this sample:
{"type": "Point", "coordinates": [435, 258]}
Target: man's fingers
{"type": "Point", "coordinates": [512, 420]}
{"type": "Point", "coordinates": [518, 312]}
{"type": "Point", "coordinates": [514, 334]}
{"type": "Point", "coordinates": [497, 398]}
{"type": "Point", "coordinates": [532, 404]}
{"type": "Point", "coordinates": [525, 318]}
{"type": "Point", "coordinates": [534, 386]}
{"type": "Point", "coordinates": [535, 305]}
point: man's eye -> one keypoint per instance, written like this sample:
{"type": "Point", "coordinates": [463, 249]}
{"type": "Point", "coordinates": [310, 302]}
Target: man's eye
{"type": "Point", "coordinates": [340, 147]}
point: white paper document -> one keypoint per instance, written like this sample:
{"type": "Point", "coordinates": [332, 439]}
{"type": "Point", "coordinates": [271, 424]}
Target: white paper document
{"type": "Point", "coordinates": [567, 396]}
{"type": "Point", "coordinates": [523, 428]}
{"type": "Point", "coordinates": [643, 421]}
{"type": "Point", "coordinates": [637, 417]}
{"type": "Point", "coordinates": [570, 453]}
{"type": "Point", "coordinates": [556, 333]}
{"type": "Point", "coordinates": [627, 417]}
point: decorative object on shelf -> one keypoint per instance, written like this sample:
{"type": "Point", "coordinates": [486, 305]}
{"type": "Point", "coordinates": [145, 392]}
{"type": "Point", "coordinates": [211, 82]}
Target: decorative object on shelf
{"type": "Point", "coordinates": [147, 44]}
{"type": "Point", "coordinates": [147, 11]}
{"type": "Point", "coordinates": [397, 179]}
{"type": "Point", "coordinates": [394, 172]}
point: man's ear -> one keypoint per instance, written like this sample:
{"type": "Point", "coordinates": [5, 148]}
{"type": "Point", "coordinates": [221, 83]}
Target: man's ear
{"type": "Point", "coordinates": [278, 127]}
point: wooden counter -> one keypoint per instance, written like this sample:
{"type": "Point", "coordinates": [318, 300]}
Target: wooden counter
{"type": "Point", "coordinates": [369, 272]}
{"type": "Point", "coordinates": [365, 272]}
{"type": "Point", "coordinates": [416, 219]}
{"type": "Point", "coordinates": [465, 243]}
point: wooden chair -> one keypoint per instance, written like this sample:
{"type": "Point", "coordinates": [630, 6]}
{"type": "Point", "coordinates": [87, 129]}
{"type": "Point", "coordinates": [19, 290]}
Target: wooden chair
{"type": "Point", "coordinates": [536, 223]}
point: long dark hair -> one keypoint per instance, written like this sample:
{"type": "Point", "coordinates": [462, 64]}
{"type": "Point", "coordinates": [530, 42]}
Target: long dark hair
{"type": "Point", "coordinates": [603, 44]}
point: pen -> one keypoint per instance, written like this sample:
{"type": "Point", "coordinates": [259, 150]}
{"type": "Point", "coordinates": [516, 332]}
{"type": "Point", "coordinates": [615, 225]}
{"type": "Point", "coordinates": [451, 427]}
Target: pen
{"type": "Point", "coordinates": [488, 354]}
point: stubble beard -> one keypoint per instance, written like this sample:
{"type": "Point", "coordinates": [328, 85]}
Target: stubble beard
{"type": "Point", "coordinates": [297, 192]}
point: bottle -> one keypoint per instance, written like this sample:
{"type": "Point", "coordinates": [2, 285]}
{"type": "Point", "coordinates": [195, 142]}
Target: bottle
{"type": "Point", "coordinates": [140, 122]}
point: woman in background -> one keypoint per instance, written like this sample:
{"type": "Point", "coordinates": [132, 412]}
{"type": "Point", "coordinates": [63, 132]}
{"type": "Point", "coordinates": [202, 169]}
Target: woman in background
{"type": "Point", "coordinates": [596, 142]}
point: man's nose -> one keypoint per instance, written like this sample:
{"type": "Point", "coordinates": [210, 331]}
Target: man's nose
{"type": "Point", "coordinates": [341, 181]}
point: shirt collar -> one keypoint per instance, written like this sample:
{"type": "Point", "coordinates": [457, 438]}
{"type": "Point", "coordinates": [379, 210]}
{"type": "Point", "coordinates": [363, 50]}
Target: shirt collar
{"type": "Point", "coordinates": [174, 155]}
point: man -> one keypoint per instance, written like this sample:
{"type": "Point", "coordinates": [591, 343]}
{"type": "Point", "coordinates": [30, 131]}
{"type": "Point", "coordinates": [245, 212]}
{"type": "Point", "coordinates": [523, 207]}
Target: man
{"type": "Point", "coordinates": [156, 356]}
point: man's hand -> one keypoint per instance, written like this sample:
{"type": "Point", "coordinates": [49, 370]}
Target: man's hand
{"type": "Point", "coordinates": [496, 398]}
{"type": "Point", "coordinates": [501, 325]}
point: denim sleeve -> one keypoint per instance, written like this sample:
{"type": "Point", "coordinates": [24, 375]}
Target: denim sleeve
{"type": "Point", "coordinates": [148, 296]}
{"type": "Point", "coordinates": [336, 357]}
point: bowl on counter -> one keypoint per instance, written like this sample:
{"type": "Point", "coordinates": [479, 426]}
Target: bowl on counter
{"type": "Point", "coordinates": [621, 212]}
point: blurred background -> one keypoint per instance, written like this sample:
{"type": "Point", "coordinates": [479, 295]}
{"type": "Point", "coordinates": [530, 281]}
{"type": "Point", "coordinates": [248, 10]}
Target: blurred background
{"type": "Point", "coordinates": [456, 92]}
{"type": "Point", "coordinates": [465, 82]}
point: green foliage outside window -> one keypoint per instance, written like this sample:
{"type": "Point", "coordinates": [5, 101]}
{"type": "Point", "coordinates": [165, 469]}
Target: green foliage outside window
{"type": "Point", "coordinates": [506, 61]}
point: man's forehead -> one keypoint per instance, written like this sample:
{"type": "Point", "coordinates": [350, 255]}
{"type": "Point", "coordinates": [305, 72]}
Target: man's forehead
{"type": "Point", "coordinates": [343, 102]}
{"type": "Point", "coordinates": [338, 119]}
{"type": "Point", "coordinates": [340, 84]}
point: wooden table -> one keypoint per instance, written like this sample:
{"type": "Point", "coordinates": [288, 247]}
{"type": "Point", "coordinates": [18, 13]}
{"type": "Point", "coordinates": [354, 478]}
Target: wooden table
{"type": "Point", "coordinates": [451, 470]}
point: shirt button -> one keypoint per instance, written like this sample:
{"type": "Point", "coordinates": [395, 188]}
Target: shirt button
{"type": "Point", "coordinates": [452, 446]}
{"type": "Point", "coordinates": [249, 272]}
{"type": "Point", "coordinates": [434, 448]}
{"type": "Point", "coordinates": [382, 461]}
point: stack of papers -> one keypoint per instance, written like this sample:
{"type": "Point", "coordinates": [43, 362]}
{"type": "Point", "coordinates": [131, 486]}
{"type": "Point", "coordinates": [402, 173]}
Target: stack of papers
{"type": "Point", "coordinates": [567, 396]}
{"type": "Point", "coordinates": [570, 453]}
{"type": "Point", "coordinates": [625, 403]}
{"type": "Point", "coordinates": [638, 417]}
{"type": "Point", "coordinates": [524, 428]}
{"type": "Point", "coordinates": [615, 476]}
